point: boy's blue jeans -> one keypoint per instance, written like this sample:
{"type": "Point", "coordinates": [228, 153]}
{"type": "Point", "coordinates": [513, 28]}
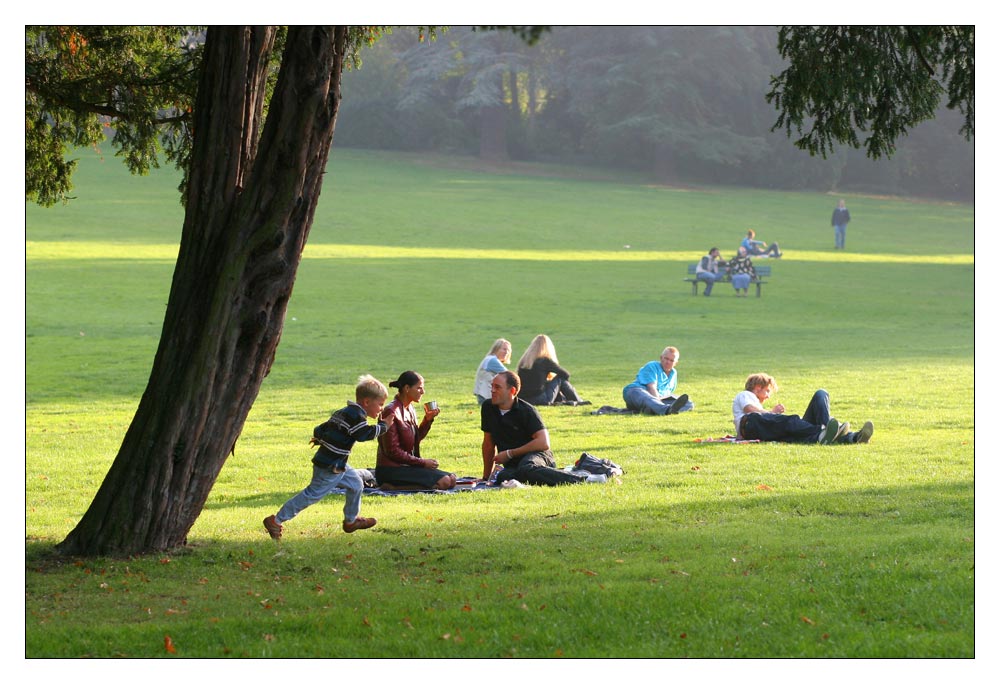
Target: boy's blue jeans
{"type": "Point", "coordinates": [323, 482]}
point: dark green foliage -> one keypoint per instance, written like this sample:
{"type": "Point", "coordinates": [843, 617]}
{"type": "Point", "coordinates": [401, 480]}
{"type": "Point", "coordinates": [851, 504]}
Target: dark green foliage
{"type": "Point", "coordinates": [78, 79]}
{"type": "Point", "coordinates": [879, 80]}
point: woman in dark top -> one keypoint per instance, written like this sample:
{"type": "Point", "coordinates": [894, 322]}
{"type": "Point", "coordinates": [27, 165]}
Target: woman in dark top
{"type": "Point", "coordinates": [543, 381]}
{"type": "Point", "coordinates": [398, 464]}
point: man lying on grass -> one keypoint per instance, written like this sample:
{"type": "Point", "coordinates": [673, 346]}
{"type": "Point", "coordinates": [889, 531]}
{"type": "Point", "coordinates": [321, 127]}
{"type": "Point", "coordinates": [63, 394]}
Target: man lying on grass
{"type": "Point", "coordinates": [753, 421]}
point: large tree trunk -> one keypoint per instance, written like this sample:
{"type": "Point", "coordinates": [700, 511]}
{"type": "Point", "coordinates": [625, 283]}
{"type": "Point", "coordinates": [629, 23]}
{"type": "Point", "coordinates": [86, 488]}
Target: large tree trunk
{"type": "Point", "coordinates": [249, 209]}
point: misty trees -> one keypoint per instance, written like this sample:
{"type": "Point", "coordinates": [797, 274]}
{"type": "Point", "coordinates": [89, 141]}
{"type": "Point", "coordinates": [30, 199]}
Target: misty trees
{"type": "Point", "coordinates": [879, 80]}
{"type": "Point", "coordinates": [669, 96]}
{"type": "Point", "coordinates": [687, 103]}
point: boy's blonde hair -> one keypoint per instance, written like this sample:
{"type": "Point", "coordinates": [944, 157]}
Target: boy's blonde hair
{"type": "Point", "coordinates": [370, 388]}
{"type": "Point", "coordinates": [760, 380]}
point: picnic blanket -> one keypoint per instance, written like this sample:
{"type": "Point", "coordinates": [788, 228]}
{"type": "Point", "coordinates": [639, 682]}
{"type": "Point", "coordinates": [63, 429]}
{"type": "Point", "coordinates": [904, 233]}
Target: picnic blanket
{"type": "Point", "coordinates": [728, 439]}
{"type": "Point", "coordinates": [462, 484]}
{"type": "Point", "coordinates": [467, 483]}
{"type": "Point", "coordinates": [606, 410]}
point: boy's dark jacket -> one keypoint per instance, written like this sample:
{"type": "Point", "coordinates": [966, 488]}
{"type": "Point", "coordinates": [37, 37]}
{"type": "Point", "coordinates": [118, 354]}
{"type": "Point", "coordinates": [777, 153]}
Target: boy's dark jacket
{"type": "Point", "coordinates": [337, 436]}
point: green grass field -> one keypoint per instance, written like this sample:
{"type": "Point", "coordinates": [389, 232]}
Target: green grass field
{"type": "Point", "coordinates": [702, 550]}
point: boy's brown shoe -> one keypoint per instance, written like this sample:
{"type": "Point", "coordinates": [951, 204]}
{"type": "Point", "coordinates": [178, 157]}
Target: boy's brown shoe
{"type": "Point", "coordinates": [272, 527]}
{"type": "Point", "coordinates": [359, 523]}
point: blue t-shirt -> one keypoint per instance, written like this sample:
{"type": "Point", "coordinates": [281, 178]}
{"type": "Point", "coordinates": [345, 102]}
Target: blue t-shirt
{"type": "Point", "coordinates": [653, 372]}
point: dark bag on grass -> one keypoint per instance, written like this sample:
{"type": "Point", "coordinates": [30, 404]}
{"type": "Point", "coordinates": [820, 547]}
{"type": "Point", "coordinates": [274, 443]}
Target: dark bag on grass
{"type": "Point", "coordinates": [598, 466]}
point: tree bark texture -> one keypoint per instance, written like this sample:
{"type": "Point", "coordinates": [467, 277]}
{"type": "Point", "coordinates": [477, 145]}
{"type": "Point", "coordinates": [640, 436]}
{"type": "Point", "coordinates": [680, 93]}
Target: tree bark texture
{"type": "Point", "coordinates": [250, 204]}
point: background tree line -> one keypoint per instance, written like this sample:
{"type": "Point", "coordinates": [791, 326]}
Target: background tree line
{"type": "Point", "coordinates": [683, 104]}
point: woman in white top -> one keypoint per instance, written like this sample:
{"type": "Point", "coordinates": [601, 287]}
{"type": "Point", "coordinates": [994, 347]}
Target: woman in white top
{"type": "Point", "coordinates": [492, 364]}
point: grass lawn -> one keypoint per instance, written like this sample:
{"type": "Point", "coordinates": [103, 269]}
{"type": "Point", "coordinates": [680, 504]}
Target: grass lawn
{"type": "Point", "coordinates": [701, 550]}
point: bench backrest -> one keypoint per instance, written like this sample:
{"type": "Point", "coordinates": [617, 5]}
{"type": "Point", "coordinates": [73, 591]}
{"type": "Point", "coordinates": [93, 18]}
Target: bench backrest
{"type": "Point", "coordinates": [762, 271]}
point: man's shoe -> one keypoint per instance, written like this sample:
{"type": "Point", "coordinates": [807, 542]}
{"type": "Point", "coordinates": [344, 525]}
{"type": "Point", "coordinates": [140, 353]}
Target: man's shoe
{"type": "Point", "coordinates": [679, 403]}
{"type": "Point", "coordinates": [272, 527]}
{"type": "Point", "coordinates": [358, 523]}
{"type": "Point", "coordinates": [865, 434]}
{"type": "Point", "coordinates": [829, 433]}
{"type": "Point", "coordinates": [844, 435]}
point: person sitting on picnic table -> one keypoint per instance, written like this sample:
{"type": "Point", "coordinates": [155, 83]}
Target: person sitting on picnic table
{"type": "Point", "coordinates": [652, 391]}
{"type": "Point", "coordinates": [753, 421]}
{"type": "Point", "coordinates": [759, 247]}
{"type": "Point", "coordinates": [398, 463]}
{"type": "Point", "coordinates": [741, 271]}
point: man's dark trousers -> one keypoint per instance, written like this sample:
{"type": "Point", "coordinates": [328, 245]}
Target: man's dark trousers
{"type": "Point", "coordinates": [537, 468]}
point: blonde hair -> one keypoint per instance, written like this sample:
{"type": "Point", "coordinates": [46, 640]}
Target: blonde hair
{"type": "Point", "coordinates": [539, 347]}
{"type": "Point", "coordinates": [677, 353]}
{"type": "Point", "coordinates": [760, 380]}
{"type": "Point", "coordinates": [499, 345]}
{"type": "Point", "coordinates": [369, 388]}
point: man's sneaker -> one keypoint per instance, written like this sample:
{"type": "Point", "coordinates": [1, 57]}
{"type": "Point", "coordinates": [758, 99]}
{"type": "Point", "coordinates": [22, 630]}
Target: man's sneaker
{"type": "Point", "coordinates": [865, 433]}
{"type": "Point", "coordinates": [829, 433]}
{"type": "Point", "coordinates": [358, 523]}
{"type": "Point", "coordinates": [679, 403]}
{"type": "Point", "coordinates": [844, 434]}
{"type": "Point", "coordinates": [272, 527]}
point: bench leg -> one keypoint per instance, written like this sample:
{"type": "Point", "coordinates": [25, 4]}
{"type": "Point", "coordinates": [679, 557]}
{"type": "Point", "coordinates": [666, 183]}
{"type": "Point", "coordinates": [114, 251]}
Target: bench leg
{"type": "Point", "coordinates": [758, 290]}
{"type": "Point", "coordinates": [694, 288]}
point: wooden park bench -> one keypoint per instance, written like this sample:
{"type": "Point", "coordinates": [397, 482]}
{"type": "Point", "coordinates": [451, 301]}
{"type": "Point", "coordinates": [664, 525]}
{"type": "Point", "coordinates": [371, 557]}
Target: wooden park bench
{"type": "Point", "coordinates": [762, 272]}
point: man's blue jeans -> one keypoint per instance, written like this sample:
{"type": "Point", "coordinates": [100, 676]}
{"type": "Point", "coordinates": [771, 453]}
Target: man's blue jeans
{"type": "Point", "coordinates": [781, 427]}
{"type": "Point", "coordinates": [639, 400]}
{"type": "Point", "coordinates": [839, 235]}
{"type": "Point", "coordinates": [710, 279]}
{"type": "Point", "coordinates": [324, 481]}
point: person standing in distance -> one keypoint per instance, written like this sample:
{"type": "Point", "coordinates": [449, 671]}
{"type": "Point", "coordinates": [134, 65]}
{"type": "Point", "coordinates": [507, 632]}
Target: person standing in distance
{"type": "Point", "coordinates": [839, 221]}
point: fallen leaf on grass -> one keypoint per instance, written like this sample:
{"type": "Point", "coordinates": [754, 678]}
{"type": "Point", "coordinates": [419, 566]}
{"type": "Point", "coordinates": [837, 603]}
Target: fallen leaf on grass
{"type": "Point", "coordinates": [763, 487]}
{"type": "Point", "coordinates": [168, 644]}
{"type": "Point", "coordinates": [807, 620]}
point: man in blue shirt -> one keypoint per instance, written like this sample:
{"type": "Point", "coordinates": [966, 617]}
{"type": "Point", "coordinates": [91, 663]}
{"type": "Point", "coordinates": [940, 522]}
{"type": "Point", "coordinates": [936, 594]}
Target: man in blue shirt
{"type": "Point", "coordinates": [652, 391]}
